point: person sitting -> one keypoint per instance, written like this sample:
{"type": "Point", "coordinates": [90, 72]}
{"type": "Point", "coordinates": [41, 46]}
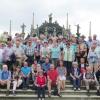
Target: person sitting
{"type": "Point", "coordinates": [98, 74]}
{"type": "Point", "coordinates": [46, 66]}
{"type": "Point", "coordinates": [90, 80]}
{"type": "Point", "coordinates": [34, 69]}
{"type": "Point", "coordinates": [40, 83]}
{"type": "Point", "coordinates": [62, 74]}
{"type": "Point", "coordinates": [25, 74]}
{"type": "Point", "coordinates": [76, 76]}
{"type": "Point", "coordinates": [5, 78]}
{"type": "Point", "coordinates": [17, 81]}
{"type": "Point", "coordinates": [53, 80]}
{"type": "Point", "coordinates": [82, 65]}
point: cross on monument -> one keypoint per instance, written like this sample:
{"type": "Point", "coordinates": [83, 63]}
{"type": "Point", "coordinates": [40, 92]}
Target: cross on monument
{"type": "Point", "coordinates": [23, 28]}
{"type": "Point", "coordinates": [78, 28]}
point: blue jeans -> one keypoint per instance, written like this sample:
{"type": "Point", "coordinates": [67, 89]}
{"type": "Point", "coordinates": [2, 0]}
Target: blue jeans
{"type": "Point", "coordinates": [41, 92]}
{"type": "Point", "coordinates": [25, 82]}
{"type": "Point", "coordinates": [76, 83]}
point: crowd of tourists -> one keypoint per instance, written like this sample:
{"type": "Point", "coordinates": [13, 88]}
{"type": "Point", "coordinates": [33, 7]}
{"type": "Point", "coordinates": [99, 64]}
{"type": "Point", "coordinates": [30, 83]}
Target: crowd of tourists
{"type": "Point", "coordinates": [47, 62]}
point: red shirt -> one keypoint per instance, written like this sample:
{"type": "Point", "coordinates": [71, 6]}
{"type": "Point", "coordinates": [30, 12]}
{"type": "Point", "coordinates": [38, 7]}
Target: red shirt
{"type": "Point", "coordinates": [53, 74]}
{"type": "Point", "coordinates": [41, 80]}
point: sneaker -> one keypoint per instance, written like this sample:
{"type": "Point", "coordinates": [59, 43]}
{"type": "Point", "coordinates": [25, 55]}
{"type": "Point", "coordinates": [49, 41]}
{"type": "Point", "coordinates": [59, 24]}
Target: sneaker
{"type": "Point", "coordinates": [59, 95]}
{"type": "Point", "coordinates": [98, 93]}
{"type": "Point", "coordinates": [14, 94]}
{"type": "Point", "coordinates": [39, 98]}
{"type": "Point", "coordinates": [42, 99]}
{"type": "Point", "coordinates": [49, 95]}
{"type": "Point", "coordinates": [88, 92]}
{"type": "Point", "coordinates": [79, 89]}
{"type": "Point", "coordinates": [74, 89]}
{"type": "Point", "coordinates": [7, 93]}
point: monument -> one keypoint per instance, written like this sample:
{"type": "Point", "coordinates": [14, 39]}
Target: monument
{"type": "Point", "coordinates": [50, 28]}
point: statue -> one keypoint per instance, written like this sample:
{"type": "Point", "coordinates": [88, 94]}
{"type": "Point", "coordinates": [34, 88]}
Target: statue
{"type": "Point", "coordinates": [50, 18]}
{"type": "Point", "coordinates": [78, 27]}
{"type": "Point", "coordinates": [78, 33]}
{"type": "Point", "coordinates": [54, 32]}
{"type": "Point", "coordinates": [46, 30]}
{"type": "Point", "coordinates": [23, 28]}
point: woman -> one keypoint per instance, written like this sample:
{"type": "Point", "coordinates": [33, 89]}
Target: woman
{"type": "Point", "coordinates": [55, 53]}
{"type": "Point", "coordinates": [34, 69]}
{"type": "Point", "coordinates": [93, 58]}
{"type": "Point", "coordinates": [17, 81]}
{"type": "Point", "coordinates": [44, 51]}
{"type": "Point", "coordinates": [40, 83]}
{"type": "Point", "coordinates": [62, 74]}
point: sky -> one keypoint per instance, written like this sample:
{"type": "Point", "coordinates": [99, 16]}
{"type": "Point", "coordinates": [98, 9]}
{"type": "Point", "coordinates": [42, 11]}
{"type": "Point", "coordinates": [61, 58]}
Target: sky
{"type": "Point", "coordinates": [21, 11]}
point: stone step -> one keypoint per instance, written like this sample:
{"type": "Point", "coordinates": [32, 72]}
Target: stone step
{"type": "Point", "coordinates": [65, 92]}
{"type": "Point", "coordinates": [67, 86]}
{"type": "Point", "coordinates": [65, 97]}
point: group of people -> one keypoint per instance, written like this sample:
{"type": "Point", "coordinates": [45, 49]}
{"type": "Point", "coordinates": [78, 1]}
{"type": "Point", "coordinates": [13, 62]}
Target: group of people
{"type": "Point", "coordinates": [49, 62]}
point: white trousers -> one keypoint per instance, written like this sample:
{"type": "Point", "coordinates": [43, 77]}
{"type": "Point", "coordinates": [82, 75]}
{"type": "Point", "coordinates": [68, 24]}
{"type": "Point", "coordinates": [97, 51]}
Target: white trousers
{"type": "Point", "coordinates": [16, 84]}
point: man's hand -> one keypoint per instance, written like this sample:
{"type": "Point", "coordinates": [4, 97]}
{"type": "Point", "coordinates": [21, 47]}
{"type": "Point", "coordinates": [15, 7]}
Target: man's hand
{"type": "Point", "coordinates": [74, 78]}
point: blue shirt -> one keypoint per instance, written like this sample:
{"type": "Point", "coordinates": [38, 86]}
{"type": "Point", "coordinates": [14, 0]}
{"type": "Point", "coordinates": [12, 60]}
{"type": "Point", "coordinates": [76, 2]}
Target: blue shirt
{"type": "Point", "coordinates": [46, 66]}
{"type": "Point", "coordinates": [5, 75]}
{"type": "Point", "coordinates": [26, 70]}
{"type": "Point", "coordinates": [55, 52]}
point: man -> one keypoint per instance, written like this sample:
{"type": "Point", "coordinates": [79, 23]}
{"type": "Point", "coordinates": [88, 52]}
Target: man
{"type": "Point", "coordinates": [25, 71]}
{"type": "Point", "coordinates": [90, 79]}
{"type": "Point", "coordinates": [19, 52]}
{"type": "Point", "coordinates": [95, 39]}
{"type": "Point", "coordinates": [89, 42]}
{"type": "Point", "coordinates": [46, 65]}
{"type": "Point", "coordinates": [1, 55]}
{"type": "Point", "coordinates": [29, 51]}
{"type": "Point", "coordinates": [98, 74]}
{"type": "Point", "coordinates": [97, 51]}
{"type": "Point", "coordinates": [5, 78]}
{"type": "Point", "coordinates": [69, 57]}
{"type": "Point", "coordinates": [8, 53]}
{"type": "Point", "coordinates": [76, 76]}
{"type": "Point", "coordinates": [53, 80]}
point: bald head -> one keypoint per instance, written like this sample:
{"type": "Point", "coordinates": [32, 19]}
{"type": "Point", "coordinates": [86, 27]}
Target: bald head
{"type": "Point", "coordinates": [5, 67]}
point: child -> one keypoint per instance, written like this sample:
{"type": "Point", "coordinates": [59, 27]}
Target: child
{"type": "Point", "coordinates": [40, 83]}
{"type": "Point", "coordinates": [82, 65]}
{"type": "Point", "coordinates": [34, 69]}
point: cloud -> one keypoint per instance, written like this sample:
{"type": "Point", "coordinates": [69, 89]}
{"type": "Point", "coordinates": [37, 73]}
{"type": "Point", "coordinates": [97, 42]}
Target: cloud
{"type": "Point", "coordinates": [80, 12]}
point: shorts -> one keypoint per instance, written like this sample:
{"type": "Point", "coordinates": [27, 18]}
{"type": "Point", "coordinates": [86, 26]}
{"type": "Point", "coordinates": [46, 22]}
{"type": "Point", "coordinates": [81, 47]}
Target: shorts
{"type": "Point", "coordinates": [62, 78]}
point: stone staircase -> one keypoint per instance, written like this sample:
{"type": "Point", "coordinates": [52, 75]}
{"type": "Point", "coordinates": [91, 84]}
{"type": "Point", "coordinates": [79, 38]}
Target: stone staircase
{"type": "Point", "coordinates": [67, 94]}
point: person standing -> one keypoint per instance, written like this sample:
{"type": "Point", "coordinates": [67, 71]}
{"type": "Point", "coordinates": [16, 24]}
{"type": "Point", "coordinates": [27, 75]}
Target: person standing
{"type": "Point", "coordinates": [29, 51]}
{"type": "Point", "coordinates": [40, 83]}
